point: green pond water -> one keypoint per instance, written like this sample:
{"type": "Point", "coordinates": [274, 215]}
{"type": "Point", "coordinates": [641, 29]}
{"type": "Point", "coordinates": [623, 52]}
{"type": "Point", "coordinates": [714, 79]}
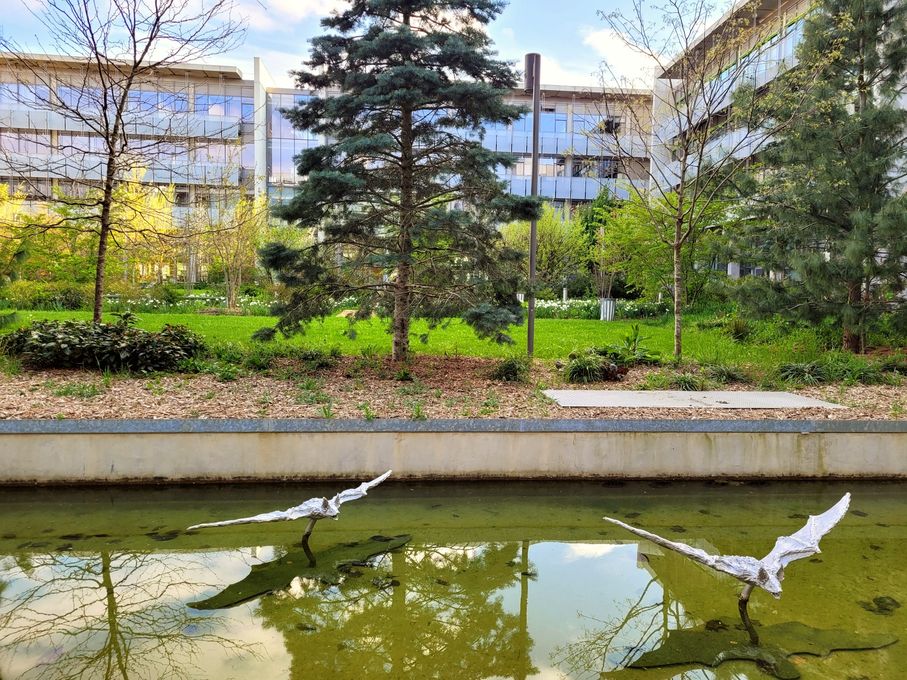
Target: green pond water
{"type": "Point", "coordinates": [518, 580]}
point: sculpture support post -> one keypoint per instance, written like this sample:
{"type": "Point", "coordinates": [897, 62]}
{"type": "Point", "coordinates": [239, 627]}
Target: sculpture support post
{"type": "Point", "coordinates": [742, 605]}
{"type": "Point", "coordinates": [308, 530]}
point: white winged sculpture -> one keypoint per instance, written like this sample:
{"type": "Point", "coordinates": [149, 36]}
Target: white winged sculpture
{"type": "Point", "coordinates": [314, 508]}
{"type": "Point", "coordinates": [768, 572]}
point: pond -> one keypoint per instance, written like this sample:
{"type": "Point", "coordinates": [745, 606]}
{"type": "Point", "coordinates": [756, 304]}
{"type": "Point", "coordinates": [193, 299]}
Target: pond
{"type": "Point", "coordinates": [490, 580]}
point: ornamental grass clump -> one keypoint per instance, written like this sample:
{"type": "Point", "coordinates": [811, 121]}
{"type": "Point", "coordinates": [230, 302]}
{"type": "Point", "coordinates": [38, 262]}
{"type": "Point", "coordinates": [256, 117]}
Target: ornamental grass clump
{"type": "Point", "coordinates": [102, 346]}
{"type": "Point", "coordinates": [589, 367]}
{"type": "Point", "coordinates": [512, 369]}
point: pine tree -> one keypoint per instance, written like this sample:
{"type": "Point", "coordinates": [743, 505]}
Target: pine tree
{"type": "Point", "coordinates": [405, 198]}
{"type": "Point", "coordinates": [831, 209]}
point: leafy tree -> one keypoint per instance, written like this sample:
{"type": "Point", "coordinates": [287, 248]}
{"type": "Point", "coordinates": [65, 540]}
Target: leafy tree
{"type": "Point", "coordinates": [604, 261]}
{"type": "Point", "coordinates": [562, 247]}
{"type": "Point", "coordinates": [121, 47]}
{"type": "Point", "coordinates": [404, 196]}
{"type": "Point", "coordinates": [831, 210]}
{"type": "Point", "coordinates": [640, 237]}
{"type": "Point", "coordinates": [231, 234]}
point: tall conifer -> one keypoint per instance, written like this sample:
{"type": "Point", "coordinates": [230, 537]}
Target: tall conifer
{"type": "Point", "coordinates": [405, 198]}
{"type": "Point", "coordinates": [831, 206]}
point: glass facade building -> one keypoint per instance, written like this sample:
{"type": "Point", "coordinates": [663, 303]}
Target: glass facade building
{"type": "Point", "coordinates": [196, 127]}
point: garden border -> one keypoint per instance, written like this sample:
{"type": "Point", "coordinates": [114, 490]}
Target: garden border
{"type": "Point", "coordinates": [168, 451]}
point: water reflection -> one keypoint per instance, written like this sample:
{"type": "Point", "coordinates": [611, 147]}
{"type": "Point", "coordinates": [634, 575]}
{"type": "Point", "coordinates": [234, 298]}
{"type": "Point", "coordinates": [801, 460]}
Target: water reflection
{"type": "Point", "coordinates": [521, 586]}
{"type": "Point", "coordinates": [106, 615]}
{"type": "Point", "coordinates": [426, 611]}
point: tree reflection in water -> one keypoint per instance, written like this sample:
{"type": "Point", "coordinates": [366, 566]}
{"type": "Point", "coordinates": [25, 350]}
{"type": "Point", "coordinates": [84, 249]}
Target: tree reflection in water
{"type": "Point", "coordinates": [426, 611]}
{"type": "Point", "coordinates": [107, 615]}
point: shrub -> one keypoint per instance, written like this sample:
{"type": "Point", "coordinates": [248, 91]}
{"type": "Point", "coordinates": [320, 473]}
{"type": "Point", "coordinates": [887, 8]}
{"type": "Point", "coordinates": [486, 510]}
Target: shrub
{"type": "Point", "coordinates": [589, 367]}
{"type": "Point", "coordinates": [50, 296]}
{"type": "Point", "coordinates": [119, 346]}
{"type": "Point", "coordinates": [512, 369]}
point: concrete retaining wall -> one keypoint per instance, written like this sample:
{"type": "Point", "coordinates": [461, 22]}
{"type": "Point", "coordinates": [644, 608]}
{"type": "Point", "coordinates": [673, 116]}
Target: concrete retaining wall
{"type": "Point", "coordinates": [118, 451]}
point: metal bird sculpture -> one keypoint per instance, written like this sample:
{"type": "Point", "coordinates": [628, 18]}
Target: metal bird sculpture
{"type": "Point", "coordinates": [314, 508]}
{"type": "Point", "coordinates": [766, 573]}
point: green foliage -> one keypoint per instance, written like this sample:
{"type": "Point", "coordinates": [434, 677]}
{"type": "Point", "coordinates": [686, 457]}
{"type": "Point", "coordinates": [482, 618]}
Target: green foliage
{"type": "Point", "coordinates": [8, 319]}
{"type": "Point", "coordinates": [727, 373]}
{"type": "Point", "coordinates": [630, 352]}
{"type": "Point", "coordinates": [738, 328]}
{"type": "Point", "coordinates": [398, 234]}
{"type": "Point", "coordinates": [23, 294]}
{"type": "Point", "coordinates": [829, 208]}
{"type": "Point", "coordinates": [79, 390]}
{"type": "Point", "coordinates": [104, 346]}
{"type": "Point", "coordinates": [590, 367]}
{"type": "Point", "coordinates": [512, 369]}
{"type": "Point", "coordinates": [417, 411]}
{"type": "Point", "coordinates": [686, 381]}
{"type": "Point", "coordinates": [367, 412]}
{"type": "Point", "coordinates": [563, 248]}
{"type": "Point", "coordinates": [835, 367]}
{"type": "Point", "coordinates": [639, 236]}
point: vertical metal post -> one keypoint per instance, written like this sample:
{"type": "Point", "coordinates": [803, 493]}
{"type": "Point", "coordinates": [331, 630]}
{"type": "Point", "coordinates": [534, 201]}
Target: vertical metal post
{"type": "Point", "coordinates": [533, 85]}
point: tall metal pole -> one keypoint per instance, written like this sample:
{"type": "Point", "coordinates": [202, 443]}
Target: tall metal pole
{"type": "Point", "coordinates": [533, 85]}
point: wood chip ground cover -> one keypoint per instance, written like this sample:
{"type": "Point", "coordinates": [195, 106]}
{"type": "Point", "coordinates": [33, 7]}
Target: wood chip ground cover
{"type": "Point", "coordinates": [442, 387]}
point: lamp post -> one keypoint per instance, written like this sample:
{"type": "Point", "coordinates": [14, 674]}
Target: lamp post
{"type": "Point", "coordinates": [533, 85]}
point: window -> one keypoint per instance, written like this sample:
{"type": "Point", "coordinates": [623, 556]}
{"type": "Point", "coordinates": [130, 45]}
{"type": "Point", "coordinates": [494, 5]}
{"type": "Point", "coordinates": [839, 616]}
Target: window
{"type": "Point", "coordinates": [210, 104]}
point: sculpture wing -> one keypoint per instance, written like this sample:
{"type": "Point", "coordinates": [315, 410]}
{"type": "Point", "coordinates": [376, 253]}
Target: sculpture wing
{"type": "Point", "coordinates": [359, 491]}
{"type": "Point", "coordinates": [805, 542]}
{"type": "Point", "coordinates": [695, 554]}
{"type": "Point", "coordinates": [741, 567]}
{"type": "Point", "coordinates": [313, 506]}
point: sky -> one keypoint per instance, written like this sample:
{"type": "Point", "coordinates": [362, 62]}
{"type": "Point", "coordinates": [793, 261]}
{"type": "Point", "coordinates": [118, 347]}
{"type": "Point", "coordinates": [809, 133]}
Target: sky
{"type": "Point", "coordinates": [569, 34]}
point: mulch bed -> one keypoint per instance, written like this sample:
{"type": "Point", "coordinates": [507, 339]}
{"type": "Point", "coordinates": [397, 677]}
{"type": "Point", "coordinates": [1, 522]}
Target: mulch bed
{"type": "Point", "coordinates": [358, 388]}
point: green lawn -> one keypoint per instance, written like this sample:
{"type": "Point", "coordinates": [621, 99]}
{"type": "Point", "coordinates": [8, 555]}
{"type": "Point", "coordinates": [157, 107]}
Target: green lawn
{"type": "Point", "coordinates": [555, 338]}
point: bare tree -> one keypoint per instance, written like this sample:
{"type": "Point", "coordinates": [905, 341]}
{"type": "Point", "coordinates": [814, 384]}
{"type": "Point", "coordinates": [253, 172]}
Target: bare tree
{"type": "Point", "coordinates": [715, 105]}
{"type": "Point", "coordinates": [107, 86]}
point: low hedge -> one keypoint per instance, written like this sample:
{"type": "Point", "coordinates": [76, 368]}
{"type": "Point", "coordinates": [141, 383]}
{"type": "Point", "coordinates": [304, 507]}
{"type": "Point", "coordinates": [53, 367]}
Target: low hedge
{"type": "Point", "coordinates": [104, 346]}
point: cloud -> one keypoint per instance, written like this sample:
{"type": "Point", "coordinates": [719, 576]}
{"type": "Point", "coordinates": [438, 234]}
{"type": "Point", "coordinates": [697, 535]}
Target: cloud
{"type": "Point", "coordinates": [583, 551]}
{"type": "Point", "coordinates": [621, 63]}
{"type": "Point", "coordinates": [281, 15]}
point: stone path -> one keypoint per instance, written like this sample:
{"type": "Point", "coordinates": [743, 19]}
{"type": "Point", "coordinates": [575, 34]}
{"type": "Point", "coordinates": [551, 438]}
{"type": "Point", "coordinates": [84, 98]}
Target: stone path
{"type": "Point", "coordinates": [680, 399]}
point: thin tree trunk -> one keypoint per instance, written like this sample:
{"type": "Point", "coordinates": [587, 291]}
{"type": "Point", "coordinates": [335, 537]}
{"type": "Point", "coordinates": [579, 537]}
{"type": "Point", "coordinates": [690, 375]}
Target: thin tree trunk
{"type": "Point", "coordinates": [678, 295]}
{"type": "Point", "coordinates": [101, 263]}
{"type": "Point", "coordinates": [852, 337]}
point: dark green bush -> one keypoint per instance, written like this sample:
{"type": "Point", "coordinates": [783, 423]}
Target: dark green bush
{"type": "Point", "coordinates": [103, 346]}
{"type": "Point", "coordinates": [512, 369]}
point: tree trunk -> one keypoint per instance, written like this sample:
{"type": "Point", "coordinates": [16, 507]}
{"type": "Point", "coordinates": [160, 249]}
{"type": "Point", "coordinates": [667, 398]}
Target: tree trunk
{"type": "Point", "coordinates": [678, 297]}
{"type": "Point", "coordinates": [852, 337]}
{"type": "Point", "coordinates": [405, 239]}
{"type": "Point", "coordinates": [101, 263]}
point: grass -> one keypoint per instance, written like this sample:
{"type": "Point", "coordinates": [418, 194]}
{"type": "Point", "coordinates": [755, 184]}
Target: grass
{"type": "Point", "coordinates": [555, 338]}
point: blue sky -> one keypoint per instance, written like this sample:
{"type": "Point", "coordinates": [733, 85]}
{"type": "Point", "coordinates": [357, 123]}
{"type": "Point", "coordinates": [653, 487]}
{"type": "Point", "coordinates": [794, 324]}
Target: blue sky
{"type": "Point", "coordinates": [570, 35]}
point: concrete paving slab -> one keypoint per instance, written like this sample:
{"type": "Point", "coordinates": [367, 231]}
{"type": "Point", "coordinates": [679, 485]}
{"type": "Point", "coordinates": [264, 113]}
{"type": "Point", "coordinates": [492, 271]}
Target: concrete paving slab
{"type": "Point", "coordinates": [680, 399]}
